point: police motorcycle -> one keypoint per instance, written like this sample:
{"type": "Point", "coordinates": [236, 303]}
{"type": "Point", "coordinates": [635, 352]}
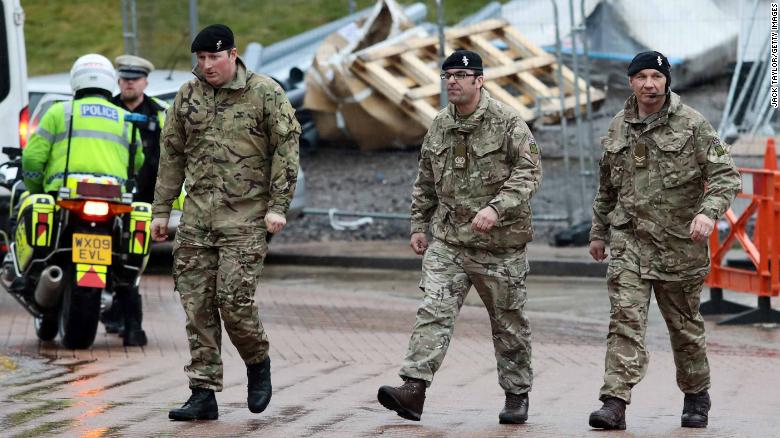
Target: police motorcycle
{"type": "Point", "coordinates": [70, 254]}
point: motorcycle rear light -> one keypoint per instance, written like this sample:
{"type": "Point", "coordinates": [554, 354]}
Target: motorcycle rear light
{"type": "Point", "coordinates": [140, 226]}
{"type": "Point", "coordinates": [95, 208]}
{"type": "Point", "coordinates": [24, 126]}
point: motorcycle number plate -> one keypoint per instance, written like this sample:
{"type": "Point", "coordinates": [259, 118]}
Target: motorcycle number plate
{"type": "Point", "coordinates": [94, 249]}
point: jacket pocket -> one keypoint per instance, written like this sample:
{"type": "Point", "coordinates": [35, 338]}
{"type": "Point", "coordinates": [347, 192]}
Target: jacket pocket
{"type": "Point", "coordinates": [677, 162]}
{"type": "Point", "coordinates": [523, 213]}
{"type": "Point", "coordinates": [617, 243]}
{"type": "Point", "coordinates": [678, 252]}
{"type": "Point", "coordinates": [439, 162]}
{"type": "Point", "coordinates": [491, 162]}
{"type": "Point", "coordinates": [512, 296]}
{"type": "Point", "coordinates": [493, 172]}
{"type": "Point", "coordinates": [614, 154]}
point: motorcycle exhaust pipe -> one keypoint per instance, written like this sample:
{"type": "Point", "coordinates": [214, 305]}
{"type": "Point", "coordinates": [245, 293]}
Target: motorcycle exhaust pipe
{"type": "Point", "coordinates": [8, 275]}
{"type": "Point", "coordinates": [49, 288]}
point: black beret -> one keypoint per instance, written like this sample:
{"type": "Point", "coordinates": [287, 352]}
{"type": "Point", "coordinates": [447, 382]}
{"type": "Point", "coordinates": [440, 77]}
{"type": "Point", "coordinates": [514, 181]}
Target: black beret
{"type": "Point", "coordinates": [654, 60]}
{"type": "Point", "coordinates": [213, 38]}
{"type": "Point", "coordinates": [463, 59]}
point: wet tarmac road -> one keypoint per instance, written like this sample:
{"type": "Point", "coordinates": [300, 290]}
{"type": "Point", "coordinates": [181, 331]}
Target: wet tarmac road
{"type": "Point", "coordinates": [337, 335]}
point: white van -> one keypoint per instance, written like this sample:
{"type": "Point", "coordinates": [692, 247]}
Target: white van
{"type": "Point", "coordinates": [14, 114]}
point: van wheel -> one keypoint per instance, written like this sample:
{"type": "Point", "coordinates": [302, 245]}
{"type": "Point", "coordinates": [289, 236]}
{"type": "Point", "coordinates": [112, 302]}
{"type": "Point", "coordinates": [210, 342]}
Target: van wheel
{"type": "Point", "coordinates": [46, 327]}
{"type": "Point", "coordinates": [79, 315]}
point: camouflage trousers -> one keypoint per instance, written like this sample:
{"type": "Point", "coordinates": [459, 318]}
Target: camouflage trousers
{"type": "Point", "coordinates": [448, 274]}
{"type": "Point", "coordinates": [216, 274]}
{"type": "Point", "coordinates": [629, 295]}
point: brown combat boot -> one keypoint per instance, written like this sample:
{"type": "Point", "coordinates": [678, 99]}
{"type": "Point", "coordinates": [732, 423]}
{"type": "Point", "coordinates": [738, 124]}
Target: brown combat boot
{"type": "Point", "coordinates": [612, 415]}
{"type": "Point", "coordinates": [515, 409]}
{"type": "Point", "coordinates": [696, 408]}
{"type": "Point", "coordinates": [406, 400]}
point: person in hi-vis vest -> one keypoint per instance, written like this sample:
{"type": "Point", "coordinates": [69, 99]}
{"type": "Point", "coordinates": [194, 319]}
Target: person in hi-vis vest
{"type": "Point", "coordinates": [100, 146]}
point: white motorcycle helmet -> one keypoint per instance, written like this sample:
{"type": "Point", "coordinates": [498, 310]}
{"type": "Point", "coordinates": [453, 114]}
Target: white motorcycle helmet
{"type": "Point", "coordinates": [92, 71]}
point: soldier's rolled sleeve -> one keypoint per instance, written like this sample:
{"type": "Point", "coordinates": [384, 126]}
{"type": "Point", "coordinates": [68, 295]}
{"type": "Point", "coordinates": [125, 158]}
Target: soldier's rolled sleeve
{"type": "Point", "coordinates": [525, 177]}
{"type": "Point", "coordinates": [283, 132]}
{"type": "Point", "coordinates": [173, 160]}
{"type": "Point", "coordinates": [719, 171]}
{"type": "Point", "coordinates": [604, 202]}
{"type": "Point", "coordinates": [424, 199]}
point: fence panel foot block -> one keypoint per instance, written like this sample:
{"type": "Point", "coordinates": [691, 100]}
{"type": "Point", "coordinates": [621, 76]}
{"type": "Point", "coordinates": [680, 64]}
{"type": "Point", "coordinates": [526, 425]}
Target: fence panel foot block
{"type": "Point", "coordinates": [718, 306]}
{"type": "Point", "coordinates": [763, 315]}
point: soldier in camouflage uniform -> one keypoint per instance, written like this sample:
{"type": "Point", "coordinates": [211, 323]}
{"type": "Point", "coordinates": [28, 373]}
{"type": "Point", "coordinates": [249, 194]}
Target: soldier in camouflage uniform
{"type": "Point", "coordinates": [479, 167]}
{"type": "Point", "coordinates": [233, 134]}
{"type": "Point", "coordinates": [665, 178]}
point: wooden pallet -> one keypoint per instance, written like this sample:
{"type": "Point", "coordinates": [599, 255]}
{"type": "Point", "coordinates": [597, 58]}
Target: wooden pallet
{"type": "Point", "coordinates": [517, 72]}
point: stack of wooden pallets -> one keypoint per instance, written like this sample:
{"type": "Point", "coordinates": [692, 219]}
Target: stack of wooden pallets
{"type": "Point", "coordinates": [517, 72]}
{"type": "Point", "coordinates": [376, 83]}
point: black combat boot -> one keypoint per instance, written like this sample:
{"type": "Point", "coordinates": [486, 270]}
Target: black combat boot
{"type": "Point", "coordinates": [134, 337]}
{"type": "Point", "coordinates": [132, 313]}
{"type": "Point", "coordinates": [696, 408]}
{"type": "Point", "coordinates": [515, 409]}
{"type": "Point", "coordinates": [113, 319]}
{"type": "Point", "coordinates": [202, 405]}
{"type": "Point", "coordinates": [407, 400]}
{"type": "Point", "coordinates": [612, 415]}
{"type": "Point", "coordinates": [259, 386]}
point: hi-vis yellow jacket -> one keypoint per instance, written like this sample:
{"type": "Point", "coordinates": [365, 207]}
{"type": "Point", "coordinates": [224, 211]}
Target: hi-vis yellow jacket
{"type": "Point", "coordinates": [99, 145]}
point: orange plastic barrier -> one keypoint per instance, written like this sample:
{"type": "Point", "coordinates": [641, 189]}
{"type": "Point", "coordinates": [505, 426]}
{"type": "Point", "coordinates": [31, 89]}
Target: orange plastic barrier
{"type": "Point", "coordinates": [760, 273]}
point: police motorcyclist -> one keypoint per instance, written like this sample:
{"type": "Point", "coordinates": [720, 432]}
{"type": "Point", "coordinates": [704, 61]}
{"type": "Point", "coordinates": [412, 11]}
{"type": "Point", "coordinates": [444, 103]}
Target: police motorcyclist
{"type": "Point", "coordinates": [100, 144]}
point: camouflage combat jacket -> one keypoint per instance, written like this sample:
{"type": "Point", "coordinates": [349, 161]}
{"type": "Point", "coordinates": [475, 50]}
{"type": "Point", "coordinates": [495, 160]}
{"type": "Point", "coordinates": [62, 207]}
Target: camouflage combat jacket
{"type": "Point", "coordinates": [684, 170]}
{"type": "Point", "coordinates": [502, 169]}
{"type": "Point", "coordinates": [237, 146]}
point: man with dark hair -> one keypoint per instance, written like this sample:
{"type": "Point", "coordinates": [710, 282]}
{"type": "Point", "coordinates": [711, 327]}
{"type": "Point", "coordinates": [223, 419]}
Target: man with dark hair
{"type": "Point", "coordinates": [665, 179]}
{"type": "Point", "coordinates": [479, 166]}
{"type": "Point", "coordinates": [234, 135]}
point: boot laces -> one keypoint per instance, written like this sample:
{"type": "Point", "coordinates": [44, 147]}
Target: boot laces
{"type": "Point", "coordinates": [514, 401]}
{"type": "Point", "coordinates": [613, 405]}
{"type": "Point", "coordinates": [195, 397]}
{"type": "Point", "coordinates": [696, 403]}
{"type": "Point", "coordinates": [410, 386]}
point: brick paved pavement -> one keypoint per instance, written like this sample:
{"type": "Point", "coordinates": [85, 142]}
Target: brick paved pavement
{"type": "Point", "coordinates": [337, 336]}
